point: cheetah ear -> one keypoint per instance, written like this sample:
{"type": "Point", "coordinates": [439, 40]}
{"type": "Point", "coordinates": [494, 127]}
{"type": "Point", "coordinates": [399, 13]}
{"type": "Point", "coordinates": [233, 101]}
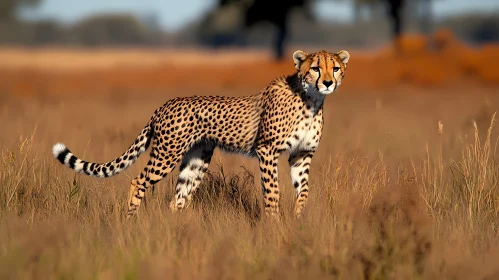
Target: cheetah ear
{"type": "Point", "coordinates": [344, 56]}
{"type": "Point", "coordinates": [298, 57]}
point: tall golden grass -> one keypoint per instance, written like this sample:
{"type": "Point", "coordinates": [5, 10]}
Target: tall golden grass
{"type": "Point", "coordinates": [372, 213]}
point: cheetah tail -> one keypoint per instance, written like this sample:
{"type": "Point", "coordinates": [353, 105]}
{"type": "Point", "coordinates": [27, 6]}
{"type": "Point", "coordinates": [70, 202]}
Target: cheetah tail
{"type": "Point", "coordinates": [104, 170]}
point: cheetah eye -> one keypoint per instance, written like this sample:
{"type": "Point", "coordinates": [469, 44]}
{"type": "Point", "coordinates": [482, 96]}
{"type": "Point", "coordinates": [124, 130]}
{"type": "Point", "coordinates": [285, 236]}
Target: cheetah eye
{"type": "Point", "coordinates": [336, 69]}
{"type": "Point", "coordinates": [316, 69]}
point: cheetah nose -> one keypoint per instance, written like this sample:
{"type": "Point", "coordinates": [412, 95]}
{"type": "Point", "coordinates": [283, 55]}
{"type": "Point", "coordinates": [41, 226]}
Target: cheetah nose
{"type": "Point", "coordinates": [327, 83]}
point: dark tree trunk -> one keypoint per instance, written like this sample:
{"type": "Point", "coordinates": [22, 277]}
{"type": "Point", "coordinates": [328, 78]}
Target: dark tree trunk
{"type": "Point", "coordinates": [280, 41]}
{"type": "Point", "coordinates": [395, 12]}
{"type": "Point", "coordinates": [277, 15]}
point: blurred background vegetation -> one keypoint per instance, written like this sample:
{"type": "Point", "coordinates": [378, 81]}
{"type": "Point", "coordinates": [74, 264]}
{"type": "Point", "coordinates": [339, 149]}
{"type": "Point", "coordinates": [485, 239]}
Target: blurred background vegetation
{"type": "Point", "coordinates": [248, 23]}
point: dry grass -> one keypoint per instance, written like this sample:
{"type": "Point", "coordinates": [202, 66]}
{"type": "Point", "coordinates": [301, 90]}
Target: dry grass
{"type": "Point", "coordinates": [64, 59]}
{"type": "Point", "coordinates": [393, 196]}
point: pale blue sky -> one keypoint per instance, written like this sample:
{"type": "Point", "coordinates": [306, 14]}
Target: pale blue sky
{"type": "Point", "coordinates": [174, 14]}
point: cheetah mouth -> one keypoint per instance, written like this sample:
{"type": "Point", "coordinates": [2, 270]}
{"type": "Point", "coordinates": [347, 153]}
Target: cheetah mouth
{"type": "Point", "coordinates": [326, 91]}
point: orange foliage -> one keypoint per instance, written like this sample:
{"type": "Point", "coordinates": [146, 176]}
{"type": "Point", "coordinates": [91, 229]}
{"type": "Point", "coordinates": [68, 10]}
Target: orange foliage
{"type": "Point", "coordinates": [449, 62]}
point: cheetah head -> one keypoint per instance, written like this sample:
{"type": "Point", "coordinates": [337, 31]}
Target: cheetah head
{"type": "Point", "coordinates": [321, 71]}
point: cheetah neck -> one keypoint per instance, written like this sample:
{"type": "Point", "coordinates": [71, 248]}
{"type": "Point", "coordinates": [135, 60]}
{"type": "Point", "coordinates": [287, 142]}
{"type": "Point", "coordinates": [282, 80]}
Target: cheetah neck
{"type": "Point", "coordinates": [314, 98]}
{"type": "Point", "coordinates": [308, 94]}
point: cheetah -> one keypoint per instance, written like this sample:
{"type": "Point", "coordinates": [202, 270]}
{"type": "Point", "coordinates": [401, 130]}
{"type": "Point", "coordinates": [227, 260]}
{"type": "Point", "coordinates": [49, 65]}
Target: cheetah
{"type": "Point", "coordinates": [287, 115]}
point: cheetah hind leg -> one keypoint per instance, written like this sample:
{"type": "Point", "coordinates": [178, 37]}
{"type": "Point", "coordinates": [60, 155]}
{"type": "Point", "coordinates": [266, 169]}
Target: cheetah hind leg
{"type": "Point", "coordinates": [192, 169]}
{"type": "Point", "coordinates": [155, 171]}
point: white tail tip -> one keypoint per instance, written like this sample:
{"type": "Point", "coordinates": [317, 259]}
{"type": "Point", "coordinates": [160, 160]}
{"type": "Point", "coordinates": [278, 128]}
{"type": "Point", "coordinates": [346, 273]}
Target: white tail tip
{"type": "Point", "coordinates": [57, 149]}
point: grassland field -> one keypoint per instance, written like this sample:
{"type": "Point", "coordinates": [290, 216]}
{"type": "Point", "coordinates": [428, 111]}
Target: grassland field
{"type": "Point", "coordinates": [404, 185]}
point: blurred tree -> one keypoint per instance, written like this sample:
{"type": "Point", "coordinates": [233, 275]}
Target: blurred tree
{"type": "Point", "coordinates": [395, 10]}
{"type": "Point", "coordinates": [425, 15]}
{"type": "Point", "coordinates": [12, 29]}
{"type": "Point", "coordinates": [275, 12]}
{"type": "Point", "coordinates": [474, 27]}
{"type": "Point", "coordinates": [45, 32]}
{"type": "Point", "coordinates": [9, 8]}
{"type": "Point", "coordinates": [224, 24]}
{"type": "Point", "coordinates": [110, 29]}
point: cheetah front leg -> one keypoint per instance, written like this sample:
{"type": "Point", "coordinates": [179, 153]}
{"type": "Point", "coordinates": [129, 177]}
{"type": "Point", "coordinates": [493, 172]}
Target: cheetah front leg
{"type": "Point", "coordinates": [192, 169]}
{"type": "Point", "coordinates": [268, 175]}
{"type": "Point", "coordinates": [300, 168]}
